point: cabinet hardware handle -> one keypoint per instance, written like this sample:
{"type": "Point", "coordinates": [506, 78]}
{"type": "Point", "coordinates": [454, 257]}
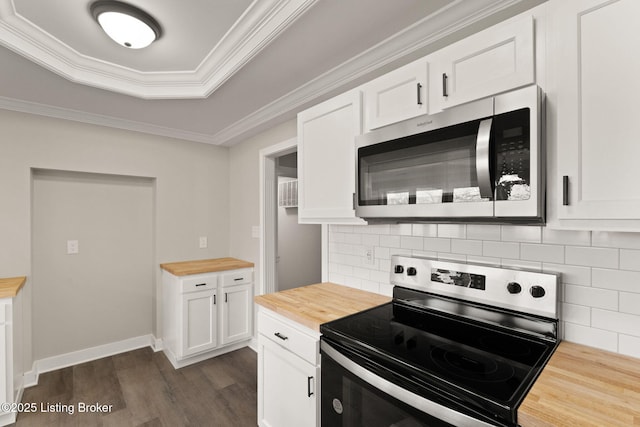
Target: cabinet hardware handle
{"type": "Point", "coordinates": [239, 278]}
{"type": "Point", "coordinates": [225, 297]}
{"type": "Point", "coordinates": [444, 85]}
{"type": "Point", "coordinates": [419, 97]}
{"type": "Point", "coordinates": [565, 190]}
{"type": "Point", "coordinates": [282, 337]}
{"type": "Point", "coordinates": [309, 392]}
{"type": "Point", "coordinates": [201, 284]}
{"type": "Point", "coordinates": [214, 299]}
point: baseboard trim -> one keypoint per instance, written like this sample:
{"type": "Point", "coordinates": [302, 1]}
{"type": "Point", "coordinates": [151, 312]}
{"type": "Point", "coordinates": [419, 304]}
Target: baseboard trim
{"type": "Point", "coordinates": [86, 355]}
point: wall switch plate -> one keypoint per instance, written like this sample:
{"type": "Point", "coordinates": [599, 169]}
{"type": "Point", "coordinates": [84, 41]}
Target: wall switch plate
{"type": "Point", "coordinates": [72, 247]}
{"type": "Point", "coordinates": [369, 255]}
{"type": "Point", "coordinates": [203, 242]}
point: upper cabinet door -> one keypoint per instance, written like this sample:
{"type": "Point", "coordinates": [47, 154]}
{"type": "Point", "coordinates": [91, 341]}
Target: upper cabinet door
{"type": "Point", "coordinates": [396, 96]}
{"type": "Point", "coordinates": [596, 45]}
{"type": "Point", "coordinates": [326, 160]}
{"type": "Point", "coordinates": [495, 60]}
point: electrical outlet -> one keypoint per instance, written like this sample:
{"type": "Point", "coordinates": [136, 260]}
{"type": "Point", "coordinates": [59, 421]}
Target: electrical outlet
{"type": "Point", "coordinates": [369, 255]}
{"type": "Point", "coordinates": [203, 242]}
{"type": "Point", "coordinates": [72, 247]}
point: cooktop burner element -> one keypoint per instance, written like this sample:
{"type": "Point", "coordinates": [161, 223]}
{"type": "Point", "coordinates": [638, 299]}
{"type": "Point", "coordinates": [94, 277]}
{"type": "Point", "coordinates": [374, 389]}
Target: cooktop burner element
{"type": "Point", "coordinates": [460, 331]}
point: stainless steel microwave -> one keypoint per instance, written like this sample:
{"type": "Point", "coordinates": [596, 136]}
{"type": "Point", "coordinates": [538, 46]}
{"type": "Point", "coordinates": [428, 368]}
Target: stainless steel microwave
{"type": "Point", "coordinates": [482, 161]}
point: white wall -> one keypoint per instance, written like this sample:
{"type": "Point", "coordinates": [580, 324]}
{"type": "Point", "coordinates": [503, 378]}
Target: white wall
{"type": "Point", "coordinates": [600, 270]}
{"type": "Point", "coordinates": [192, 189]}
{"type": "Point", "coordinates": [244, 195]}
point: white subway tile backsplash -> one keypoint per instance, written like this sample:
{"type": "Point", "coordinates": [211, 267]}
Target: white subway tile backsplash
{"type": "Point", "coordinates": [437, 244]}
{"type": "Point", "coordinates": [425, 230]}
{"type": "Point", "coordinates": [630, 303]}
{"type": "Point", "coordinates": [630, 259]}
{"type": "Point", "coordinates": [390, 241]}
{"type": "Point", "coordinates": [411, 242]}
{"type": "Point", "coordinates": [615, 321]}
{"type": "Point", "coordinates": [544, 253]}
{"type": "Point", "coordinates": [501, 249]}
{"type": "Point", "coordinates": [621, 280]}
{"type": "Point", "coordinates": [598, 338]}
{"type": "Point", "coordinates": [600, 271]}
{"type": "Point", "coordinates": [566, 237]}
{"type": "Point", "coordinates": [521, 233]}
{"type": "Point", "coordinates": [578, 314]}
{"type": "Point", "coordinates": [616, 240]}
{"type": "Point", "coordinates": [592, 257]}
{"type": "Point", "coordinates": [484, 231]}
{"type": "Point", "coordinates": [591, 297]}
{"type": "Point", "coordinates": [468, 247]}
{"type": "Point", "coordinates": [455, 231]}
{"type": "Point", "coordinates": [629, 345]}
{"type": "Point", "coordinates": [570, 273]}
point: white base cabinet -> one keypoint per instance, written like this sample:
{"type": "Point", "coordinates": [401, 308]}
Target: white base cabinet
{"type": "Point", "coordinates": [11, 372]}
{"type": "Point", "coordinates": [288, 373]}
{"type": "Point", "coordinates": [206, 314]}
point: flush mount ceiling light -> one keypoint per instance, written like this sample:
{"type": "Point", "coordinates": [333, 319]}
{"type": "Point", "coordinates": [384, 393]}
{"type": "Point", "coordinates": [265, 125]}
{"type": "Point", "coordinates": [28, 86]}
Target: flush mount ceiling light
{"type": "Point", "coordinates": [126, 24]}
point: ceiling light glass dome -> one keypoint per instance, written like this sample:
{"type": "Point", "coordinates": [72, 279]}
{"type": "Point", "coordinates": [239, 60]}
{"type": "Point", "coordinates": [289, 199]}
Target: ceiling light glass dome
{"type": "Point", "coordinates": [126, 24]}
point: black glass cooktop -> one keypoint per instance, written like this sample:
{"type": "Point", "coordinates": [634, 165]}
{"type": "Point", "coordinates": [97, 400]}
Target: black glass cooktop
{"type": "Point", "coordinates": [490, 363]}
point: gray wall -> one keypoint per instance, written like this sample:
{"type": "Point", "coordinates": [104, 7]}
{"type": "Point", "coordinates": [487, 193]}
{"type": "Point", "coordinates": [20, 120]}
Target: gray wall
{"type": "Point", "coordinates": [191, 200]}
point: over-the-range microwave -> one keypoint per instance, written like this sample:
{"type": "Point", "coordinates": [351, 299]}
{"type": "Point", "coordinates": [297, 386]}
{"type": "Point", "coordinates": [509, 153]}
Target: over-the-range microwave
{"type": "Point", "coordinates": [478, 162]}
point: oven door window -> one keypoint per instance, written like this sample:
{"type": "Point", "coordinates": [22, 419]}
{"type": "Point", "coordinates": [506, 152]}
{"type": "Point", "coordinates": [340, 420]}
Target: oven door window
{"type": "Point", "coordinates": [348, 401]}
{"type": "Point", "coordinates": [439, 166]}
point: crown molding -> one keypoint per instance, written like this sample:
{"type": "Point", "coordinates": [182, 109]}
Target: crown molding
{"type": "Point", "coordinates": [457, 16]}
{"type": "Point", "coordinates": [261, 23]}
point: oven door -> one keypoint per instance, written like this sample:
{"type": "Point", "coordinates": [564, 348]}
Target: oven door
{"type": "Point", "coordinates": [353, 395]}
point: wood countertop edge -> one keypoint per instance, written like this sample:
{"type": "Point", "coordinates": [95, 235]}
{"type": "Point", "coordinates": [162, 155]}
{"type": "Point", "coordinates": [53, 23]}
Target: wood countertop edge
{"type": "Point", "coordinates": [315, 304]}
{"type": "Point", "coordinates": [186, 268]}
{"type": "Point", "coordinates": [9, 287]}
{"type": "Point", "coordinates": [586, 386]}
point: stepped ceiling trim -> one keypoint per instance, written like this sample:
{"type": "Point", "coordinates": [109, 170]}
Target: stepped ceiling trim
{"type": "Point", "coordinates": [261, 23]}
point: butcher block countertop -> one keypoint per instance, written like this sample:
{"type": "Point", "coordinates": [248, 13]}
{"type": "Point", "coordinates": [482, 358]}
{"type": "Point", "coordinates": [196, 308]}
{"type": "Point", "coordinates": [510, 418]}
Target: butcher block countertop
{"type": "Point", "coordinates": [584, 386]}
{"type": "Point", "coordinates": [10, 287]}
{"type": "Point", "coordinates": [185, 268]}
{"type": "Point", "coordinates": [314, 305]}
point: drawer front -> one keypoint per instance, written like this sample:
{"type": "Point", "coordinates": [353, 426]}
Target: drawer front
{"type": "Point", "coordinates": [237, 277]}
{"type": "Point", "coordinates": [299, 343]}
{"type": "Point", "coordinates": [199, 283]}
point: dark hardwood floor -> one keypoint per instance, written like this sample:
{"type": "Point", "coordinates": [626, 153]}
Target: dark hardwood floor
{"type": "Point", "coordinates": [141, 388]}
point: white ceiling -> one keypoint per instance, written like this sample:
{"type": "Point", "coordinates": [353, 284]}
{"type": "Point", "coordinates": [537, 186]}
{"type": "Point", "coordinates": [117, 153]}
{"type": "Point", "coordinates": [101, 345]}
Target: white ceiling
{"type": "Point", "coordinates": [223, 69]}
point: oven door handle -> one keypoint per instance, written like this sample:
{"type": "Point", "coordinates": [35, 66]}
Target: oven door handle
{"type": "Point", "coordinates": [427, 406]}
{"type": "Point", "coordinates": [483, 169]}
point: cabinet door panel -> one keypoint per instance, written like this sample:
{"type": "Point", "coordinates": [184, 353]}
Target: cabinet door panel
{"type": "Point", "coordinates": [397, 96]}
{"type": "Point", "coordinates": [236, 317]}
{"type": "Point", "coordinates": [199, 322]}
{"type": "Point", "coordinates": [495, 60]}
{"type": "Point", "coordinates": [288, 388]}
{"type": "Point", "coordinates": [326, 160]}
{"type": "Point", "coordinates": [598, 110]}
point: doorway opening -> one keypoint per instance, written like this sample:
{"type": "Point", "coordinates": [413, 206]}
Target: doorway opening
{"type": "Point", "coordinates": [290, 253]}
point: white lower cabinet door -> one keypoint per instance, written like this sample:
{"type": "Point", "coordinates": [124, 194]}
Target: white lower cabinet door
{"type": "Point", "coordinates": [199, 322]}
{"type": "Point", "coordinates": [236, 315]}
{"type": "Point", "coordinates": [287, 387]}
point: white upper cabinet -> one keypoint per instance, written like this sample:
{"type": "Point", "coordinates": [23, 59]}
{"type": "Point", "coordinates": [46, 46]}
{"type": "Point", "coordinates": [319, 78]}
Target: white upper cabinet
{"type": "Point", "coordinates": [326, 160]}
{"type": "Point", "coordinates": [594, 52]}
{"type": "Point", "coordinates": [396, 96]}
{"type": "Point", "coordinates": [495, 60]}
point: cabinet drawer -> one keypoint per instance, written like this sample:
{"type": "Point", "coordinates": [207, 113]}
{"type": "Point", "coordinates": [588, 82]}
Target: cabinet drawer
{"type": "Point", "coordinates": [238, 277]}
{"type": "Point", "coordinates": [199, 283]}
{"type": "Point", "coordinates": [303, 345]}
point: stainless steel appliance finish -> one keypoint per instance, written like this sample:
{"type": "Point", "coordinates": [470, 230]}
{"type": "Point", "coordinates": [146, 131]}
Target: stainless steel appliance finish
{"type": "Point", "coordinates": [459, 345]}
{"type": "Point", "coordinates": [481, 161]}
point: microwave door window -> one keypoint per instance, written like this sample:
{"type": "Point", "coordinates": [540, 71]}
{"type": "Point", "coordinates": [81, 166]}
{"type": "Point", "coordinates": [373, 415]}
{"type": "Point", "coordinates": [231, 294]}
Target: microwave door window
{"type": "Point", "coordinates": [512, 155]}
{"type": "Point", "coordinates": [430, 168]}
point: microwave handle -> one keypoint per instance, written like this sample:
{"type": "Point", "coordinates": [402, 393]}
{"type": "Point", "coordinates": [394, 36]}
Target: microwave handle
{"type": "Point", "coordinates": [483, 170]}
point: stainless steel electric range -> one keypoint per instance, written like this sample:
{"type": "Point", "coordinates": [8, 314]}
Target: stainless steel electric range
{"type": "Point", "coordinates": [459, 345]}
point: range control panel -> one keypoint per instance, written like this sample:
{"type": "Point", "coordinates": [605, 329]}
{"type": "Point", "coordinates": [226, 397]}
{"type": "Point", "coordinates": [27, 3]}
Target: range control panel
{"type": "Point", "coordinates": [522, 290]}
